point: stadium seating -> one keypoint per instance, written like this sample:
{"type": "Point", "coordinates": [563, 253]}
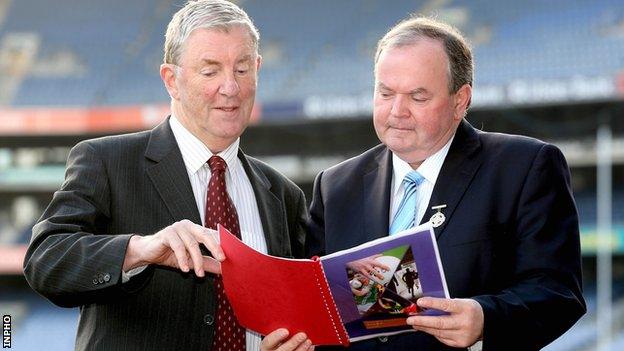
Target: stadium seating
{"type": "Point", "coordinates": [117, 45]}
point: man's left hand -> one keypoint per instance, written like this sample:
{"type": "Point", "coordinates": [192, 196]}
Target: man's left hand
{"type": "Point", "coordinates": [462, 327]}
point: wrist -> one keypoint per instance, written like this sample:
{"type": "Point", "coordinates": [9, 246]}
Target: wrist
{"type": "Point", "coordinates": [133, 258]}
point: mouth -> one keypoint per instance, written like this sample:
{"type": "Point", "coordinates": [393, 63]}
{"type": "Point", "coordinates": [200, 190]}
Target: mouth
{"type": "Point", "coordinates": [401, 128]}
{"type": "Point", "coordinates": [227, 108]}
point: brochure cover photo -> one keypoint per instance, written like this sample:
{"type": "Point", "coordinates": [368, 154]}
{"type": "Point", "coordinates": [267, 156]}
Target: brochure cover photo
{"type": "Point", "coordinates": [376, 285]}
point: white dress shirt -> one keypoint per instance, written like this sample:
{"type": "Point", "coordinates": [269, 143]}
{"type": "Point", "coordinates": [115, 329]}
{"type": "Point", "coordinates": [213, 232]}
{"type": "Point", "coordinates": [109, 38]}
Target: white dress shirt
{"type": "Point", "coordinates": [195, 155]}
{"type": "Point", "coordinates": [429, 169]}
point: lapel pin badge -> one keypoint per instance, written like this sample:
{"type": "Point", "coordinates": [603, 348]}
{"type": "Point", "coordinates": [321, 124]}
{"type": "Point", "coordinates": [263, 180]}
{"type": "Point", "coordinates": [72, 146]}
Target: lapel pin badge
{"type": "Point", "coordinates": [437, 218]}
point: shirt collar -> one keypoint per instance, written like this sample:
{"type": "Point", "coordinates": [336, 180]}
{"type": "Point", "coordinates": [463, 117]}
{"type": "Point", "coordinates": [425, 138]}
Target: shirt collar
{"type": "Point", "coordinates": [429, 169]}
{"type": "Point", "coordinates": [195, 153]}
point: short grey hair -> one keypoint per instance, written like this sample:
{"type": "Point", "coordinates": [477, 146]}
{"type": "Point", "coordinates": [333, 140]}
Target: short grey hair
{"type": "Point", "coordinates": [207, 14]}
{"type": "Point", "coordinates": [458, 51]}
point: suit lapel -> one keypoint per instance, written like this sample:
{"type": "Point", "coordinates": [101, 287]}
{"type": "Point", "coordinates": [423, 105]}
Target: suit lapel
{"type": "Point", "coordinates": [376, 190]}
{"type": "Point", "coordinates": [169, 176]}
{"type": "Point", "coordinates": [270, 209]}
{"type": "Point", "coordinates": [460, 166]}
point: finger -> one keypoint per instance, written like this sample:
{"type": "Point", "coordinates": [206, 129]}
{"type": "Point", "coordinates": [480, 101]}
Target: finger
{"type": "Point", "coordinates": [446, 305]}
{"type": "Point", "coordinates": [382, 266]}
{"type": "Point", "coordinates": [211, 265]}
{"type": "Point", "coordinates": [435, 322]}
{"type": "Point", "coordinates": [203, 235]}
{"type": "Point", "coordinates": [179, 250]}
{"type": "Point", "coordinates": [213, 233]}
{"type": "Point", "coordinates": [365, 273]}
{"type": "Point", "coordinates": [273, 339]}
{"type": "Point", "coordinates": [192, 247]}
{"type": "Point", "coordinates": [304, 346]}
{"type": "Point", "coordinates": [294, 342]}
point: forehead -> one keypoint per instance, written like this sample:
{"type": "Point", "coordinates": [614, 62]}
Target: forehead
{"type": "Point", "coordinates": [409, 66]}
{"type": "Point", "coordinates": [217, 44]}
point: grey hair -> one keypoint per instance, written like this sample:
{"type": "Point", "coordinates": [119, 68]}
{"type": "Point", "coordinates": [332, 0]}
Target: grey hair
{"type": "Point", "coordinates": [207, 14]}
{"type": "Point", "coordinates": [458, 51]}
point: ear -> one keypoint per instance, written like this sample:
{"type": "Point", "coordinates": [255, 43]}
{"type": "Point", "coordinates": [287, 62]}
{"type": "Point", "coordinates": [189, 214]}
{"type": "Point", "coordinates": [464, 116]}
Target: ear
{"type": "Point", "coordinates": [258, 63]}
{"type": "Point", "coordinates": [168, 76]}
{"type": "Point", "coordinates": [462, 101]}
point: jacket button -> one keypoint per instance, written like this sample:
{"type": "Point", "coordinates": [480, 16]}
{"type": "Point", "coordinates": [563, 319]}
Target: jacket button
{"type": "Point", "coordinates": [208, 319]}
{"type": "Point", "coordinates": [383, 338]}
{"type": "Point", "coordinates": [100, 278]}
{"type": "Point", "coordinates": [107, 277]}
{"type": "Point", "coordinates": [95, 281]}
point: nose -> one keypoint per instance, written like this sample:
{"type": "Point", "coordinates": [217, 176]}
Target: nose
{"type": "Point", "coordinates": [400, 106]}
{"type": "Point", "coordinates": [229, 87]}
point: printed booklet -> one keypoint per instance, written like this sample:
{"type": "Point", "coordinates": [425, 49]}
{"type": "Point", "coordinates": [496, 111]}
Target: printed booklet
{"type": "Point", "coordinates": [350, 295]}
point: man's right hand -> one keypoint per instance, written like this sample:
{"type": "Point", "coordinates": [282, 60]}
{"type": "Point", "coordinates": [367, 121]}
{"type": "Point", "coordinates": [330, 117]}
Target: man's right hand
{"type": "Point", "coordinates": [176, 246]}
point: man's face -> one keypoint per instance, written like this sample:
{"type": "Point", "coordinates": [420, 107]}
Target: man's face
{"type": "Point", "coordinates": [214, 87]}
{"type": "Point", "coordinates": [414, 114]}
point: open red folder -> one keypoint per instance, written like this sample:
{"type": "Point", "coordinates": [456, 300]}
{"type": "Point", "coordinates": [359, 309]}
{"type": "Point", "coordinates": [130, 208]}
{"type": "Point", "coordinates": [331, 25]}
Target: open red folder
{"type": "Point", "coordinates": [330, 298]}
{"type": "Point", "coordinates": [268, 293]}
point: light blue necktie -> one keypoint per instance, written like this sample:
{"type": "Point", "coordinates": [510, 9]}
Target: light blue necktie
{"type": "Point", "coordinates": [405, 216]}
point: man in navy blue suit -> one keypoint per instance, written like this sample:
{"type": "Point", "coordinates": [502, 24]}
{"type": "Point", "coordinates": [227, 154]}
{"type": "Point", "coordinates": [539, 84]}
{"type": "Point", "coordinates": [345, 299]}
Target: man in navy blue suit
{"type": "Point", "coordinates": [502, 205]}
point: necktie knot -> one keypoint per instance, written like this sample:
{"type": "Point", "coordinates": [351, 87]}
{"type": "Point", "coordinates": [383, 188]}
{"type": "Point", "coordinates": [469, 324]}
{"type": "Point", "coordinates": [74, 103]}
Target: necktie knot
{"type": "Point", "coordinates": [413, 178]}
{"type": "Point", "coordinates": [217, 164]}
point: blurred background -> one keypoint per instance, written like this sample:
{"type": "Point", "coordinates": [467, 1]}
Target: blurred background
{"type": "Point", "coordinates": [72, 69]}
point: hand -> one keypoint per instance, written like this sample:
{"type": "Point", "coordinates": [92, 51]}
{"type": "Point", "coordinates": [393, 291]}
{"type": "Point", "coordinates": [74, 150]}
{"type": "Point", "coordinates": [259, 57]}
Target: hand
{"type": "Point", "coordinates": [366, 267]}
{"type": "Point", "coordinates": [277, 341]}
{"type": "Point", "coordinates": [176, 246]}
{"type": "Point", "coordinates": [461, 328]}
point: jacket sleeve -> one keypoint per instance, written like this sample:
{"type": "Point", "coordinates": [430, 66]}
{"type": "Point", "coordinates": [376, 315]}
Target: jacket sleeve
{"type": "Point", "coordinates": [315, 241]}
{"type": "Point", "coordinates": [69, 260]}
{"type": "Point", "coordinates": [298, 218]}
{"type": "Point", "coordinates": [545, 295]}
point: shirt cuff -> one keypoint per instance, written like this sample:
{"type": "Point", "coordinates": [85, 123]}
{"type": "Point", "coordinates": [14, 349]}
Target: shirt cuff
{"type": "Point", "coordinates": [125, 276]}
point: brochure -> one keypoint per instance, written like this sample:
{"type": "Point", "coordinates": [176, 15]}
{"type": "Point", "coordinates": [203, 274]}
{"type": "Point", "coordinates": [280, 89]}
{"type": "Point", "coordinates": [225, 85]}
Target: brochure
{"type": "Point", "coordinates": [350, 295]}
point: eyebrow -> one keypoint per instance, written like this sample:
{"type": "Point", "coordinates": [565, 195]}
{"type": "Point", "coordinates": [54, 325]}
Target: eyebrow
{"type": "Point", "coordinates": [217, 63]}
{"type": "Point", "coordinates": [381, 85]}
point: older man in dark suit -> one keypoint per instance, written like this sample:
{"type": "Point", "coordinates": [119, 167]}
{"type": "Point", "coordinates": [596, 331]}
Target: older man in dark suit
{"type": "Point", "coordinates": [121, 239]}
{"type": "Point", "coordinates": [501, 205]}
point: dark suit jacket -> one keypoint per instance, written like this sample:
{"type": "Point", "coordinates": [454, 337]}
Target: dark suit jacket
{"type": "Point", "coordinates": [137, 183]}
{"type": "Point", "coordinates": [510, 240]}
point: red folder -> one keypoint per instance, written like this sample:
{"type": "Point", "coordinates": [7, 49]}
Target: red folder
{"type": "Point", "coordinates": [268, 293]}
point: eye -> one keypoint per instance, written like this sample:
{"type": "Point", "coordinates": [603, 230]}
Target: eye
{"type": "Point", "coordinates": [418, 98]}
{"type": "Point", "coordinates": [385, 94]}
{"type": "Point", "coordinates": [209, 74]}
{"type": "Point", "coordinates": [242, 70]}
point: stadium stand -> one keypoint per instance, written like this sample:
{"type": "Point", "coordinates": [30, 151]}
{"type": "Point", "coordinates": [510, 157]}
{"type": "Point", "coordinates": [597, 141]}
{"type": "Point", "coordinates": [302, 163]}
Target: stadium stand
{"type": "Point", "coordinates": [115, 47]}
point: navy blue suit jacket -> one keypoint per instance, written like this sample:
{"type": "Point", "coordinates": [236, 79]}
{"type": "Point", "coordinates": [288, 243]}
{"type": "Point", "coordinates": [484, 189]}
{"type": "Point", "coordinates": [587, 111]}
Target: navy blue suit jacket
{"type": "Point", "coordinates": [510, 241]}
